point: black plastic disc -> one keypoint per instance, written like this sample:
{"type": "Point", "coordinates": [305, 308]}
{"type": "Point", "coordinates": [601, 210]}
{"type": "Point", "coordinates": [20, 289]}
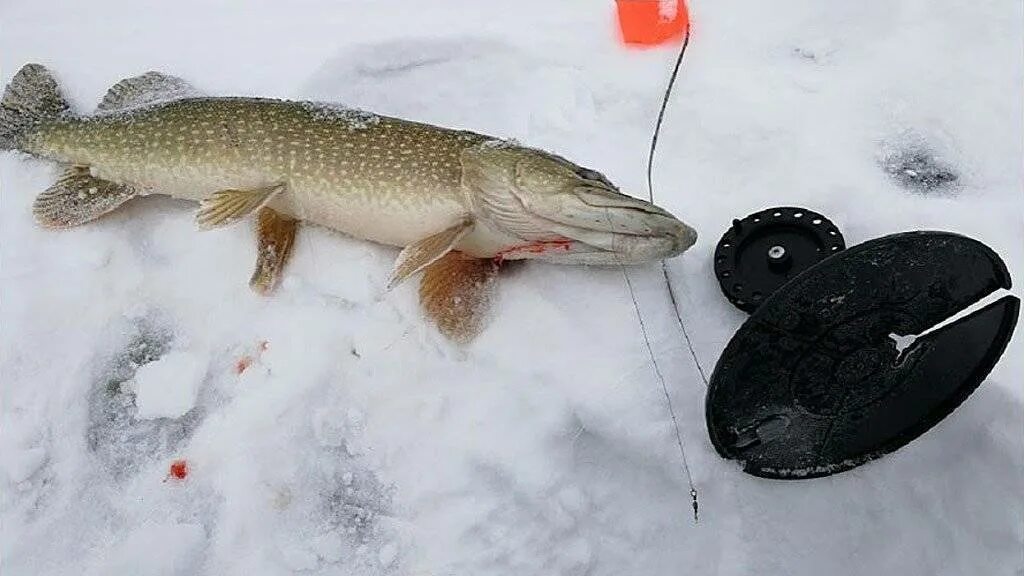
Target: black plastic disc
{"type": "Point", "coordinates": [814, 382]}
{"type": "Point", "coordinates": [763, 251]}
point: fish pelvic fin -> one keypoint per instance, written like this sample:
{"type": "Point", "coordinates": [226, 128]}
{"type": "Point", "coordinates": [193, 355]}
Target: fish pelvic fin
{"type": "Point", "coordinates": [145, 89]}
{"type": "Point", "coordinates": [32, 96]}
{"type": "Point", "coordinates": [77, 198]}
{"type": "Point", "coordinates": [419, 255]}
{"type": "Point", "coordinates": [456, 294]}
{"type": "Point", "coordinates": [275, 236]}
{"type": "Point", "coordinates": [229, 206]}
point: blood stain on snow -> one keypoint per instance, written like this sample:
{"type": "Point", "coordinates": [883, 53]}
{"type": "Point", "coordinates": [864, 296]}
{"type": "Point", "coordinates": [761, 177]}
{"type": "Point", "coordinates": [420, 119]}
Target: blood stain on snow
{"type": "Point", "coordinates": [178, 470]}
{"type": "Point", "coordinates": [243, 363]}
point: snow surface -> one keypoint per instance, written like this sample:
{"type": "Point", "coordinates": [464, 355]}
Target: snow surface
{"type": "Point", "coordinates": [360, 442]}
{"type": "Point", "coordinates": [167, 387]}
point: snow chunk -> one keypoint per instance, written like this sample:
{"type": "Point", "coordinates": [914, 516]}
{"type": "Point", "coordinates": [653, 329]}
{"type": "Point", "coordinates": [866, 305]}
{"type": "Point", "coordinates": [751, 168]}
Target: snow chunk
{"type": "Point", "coordinates": [500, 143]}
{"type": "Point", "coordinates": [353, 118]}
{"type": "Point", "coordinates": [576, 557]}
{"type": "Point", "coordinates": [168, 386]}
{"type": "Point", "coordinates": [327, 429]}
{"type": "Point", "coordinates": [572, 499]}
{"type": "Point", "coordinates": [329, 546]}
{"type": "Point", "coordinates": [668, 9]}
{"type": "Point", "coordinates": [387, 554]}
{"type": "Point", "coordinates": [20, 465]}
{"type": "Point", "coordinates": [298, 558]}
{"type": "Point", "coordinates": [156, 550]}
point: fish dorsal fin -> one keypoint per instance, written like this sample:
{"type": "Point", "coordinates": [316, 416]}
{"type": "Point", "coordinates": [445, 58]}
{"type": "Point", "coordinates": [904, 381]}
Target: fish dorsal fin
{"type": "Point", "coordinates": [419, 255]}
{"type": "Point", "coordinates": [145, 89]}
{"type": "Point", "coordinates": [77, 198]}
{"type": "Point", "coordinates": [456, 293]}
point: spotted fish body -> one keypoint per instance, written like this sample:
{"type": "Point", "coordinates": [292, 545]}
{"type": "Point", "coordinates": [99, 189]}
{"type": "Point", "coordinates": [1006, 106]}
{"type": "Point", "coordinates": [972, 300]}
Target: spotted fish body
{"type": "Point", "coordinates": [383, 179]}
{"type": "Point", "coordinates": [436, 192]}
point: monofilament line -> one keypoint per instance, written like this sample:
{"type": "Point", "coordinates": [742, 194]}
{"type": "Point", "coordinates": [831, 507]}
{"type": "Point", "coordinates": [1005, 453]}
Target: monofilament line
{"type": "Point", "coordinates": [665, 275]}
{"type": "Point", "coordinates": [650, 196]}
{"type": "Point", "coordinates": [661, 115]}
{"type": "Point", "coordinates": [664, 389]}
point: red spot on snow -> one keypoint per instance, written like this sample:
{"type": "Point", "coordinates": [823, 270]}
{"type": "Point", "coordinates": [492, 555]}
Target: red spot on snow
{"type": "Point", "coordinates": [178, 470]}
{"type": "Point", "coordinates": [243, 363]}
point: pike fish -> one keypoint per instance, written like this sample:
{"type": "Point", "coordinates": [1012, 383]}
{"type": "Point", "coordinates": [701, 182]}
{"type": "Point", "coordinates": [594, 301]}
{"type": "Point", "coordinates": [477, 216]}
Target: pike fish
{"type": "Point", "coordinates": [457, 203]}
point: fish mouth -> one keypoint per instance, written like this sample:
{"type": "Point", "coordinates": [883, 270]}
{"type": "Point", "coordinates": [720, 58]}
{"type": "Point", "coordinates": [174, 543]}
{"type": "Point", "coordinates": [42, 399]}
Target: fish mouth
{"type": "Point", "coordinates": [610, 228]}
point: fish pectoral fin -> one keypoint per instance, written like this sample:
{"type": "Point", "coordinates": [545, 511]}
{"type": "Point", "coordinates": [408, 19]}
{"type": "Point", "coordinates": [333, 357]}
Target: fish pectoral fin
{"type": "Point", "coordinates": [275, 236]}
{"type": "Point", "coordinates": [77, 198]}
{"type": "Point", "coordinates": [419, 255]}
{"type": "Point", "coordinates": [456, 294]}
{"type": "Point", "coordinates": [229, 206]}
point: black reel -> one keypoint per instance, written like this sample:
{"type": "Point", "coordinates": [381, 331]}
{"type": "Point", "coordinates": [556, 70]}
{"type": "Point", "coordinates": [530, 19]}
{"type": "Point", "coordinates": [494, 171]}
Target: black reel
{"type": "Point", "coordinates": [763, 251]}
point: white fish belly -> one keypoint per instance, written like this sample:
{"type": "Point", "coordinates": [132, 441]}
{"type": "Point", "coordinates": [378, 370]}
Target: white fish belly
{"type": "Point", "coordinates": [394, 219]}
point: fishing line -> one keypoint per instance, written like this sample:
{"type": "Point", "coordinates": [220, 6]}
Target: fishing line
{"type": "Point", "coordinates": [650, 197]}
{"type": "Point", "coordinates": [668, 286]}
{"type": "Point", "coordinates": [668, 398]}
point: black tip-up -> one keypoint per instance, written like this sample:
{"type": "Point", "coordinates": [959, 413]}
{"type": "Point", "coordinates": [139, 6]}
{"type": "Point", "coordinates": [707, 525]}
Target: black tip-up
{"type": "Point", "coordinates": [857, 356]}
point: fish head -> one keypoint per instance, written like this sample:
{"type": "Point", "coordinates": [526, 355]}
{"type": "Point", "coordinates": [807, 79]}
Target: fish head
{"type": "Point", "coordinates": [538, 196]}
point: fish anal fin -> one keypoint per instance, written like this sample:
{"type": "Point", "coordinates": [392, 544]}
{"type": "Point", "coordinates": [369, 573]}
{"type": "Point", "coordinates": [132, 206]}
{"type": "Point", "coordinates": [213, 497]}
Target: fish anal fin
{"type": "Point", "coordinates": [77, 198]}
{"type": "Point", "coordinates": [275, 236]}
{"type": "Point", "coordinates": [456, 293]}
{"type": "Point", "coordinates": [144, 89]}
{"type": "Point", "coordinates": [229, 206]}
{"type": "Point", "coordinates": [419, 255]}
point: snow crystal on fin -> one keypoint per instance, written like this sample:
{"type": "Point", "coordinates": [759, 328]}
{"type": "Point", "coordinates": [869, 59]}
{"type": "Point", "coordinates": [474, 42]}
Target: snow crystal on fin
{"type": "Point", "coordinates": [355, 119]}
{"type": "Point", "coordinates": [77, 198]}
{"type": "Point", "coordinates": [275, 237]}
{"type": "Point", "coordinates": [148, 88]}
{"type": "Point", "coordinates": [456, 294]}
{"type": "Point", "coordinates": [500, 143]}
{"type": "Point", "coordinates": [32, 95]}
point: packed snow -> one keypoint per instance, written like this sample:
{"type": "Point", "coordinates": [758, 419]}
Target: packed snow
{"type": "Point", "coordinates": [167, 387]}
{"type": "Point", "coordinates": [328, 429]}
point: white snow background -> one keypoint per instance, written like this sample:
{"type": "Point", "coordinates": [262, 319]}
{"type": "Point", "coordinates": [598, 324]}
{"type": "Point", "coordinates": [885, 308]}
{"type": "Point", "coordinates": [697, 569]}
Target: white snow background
{"type": "Point", "coordinates": [359, 441]}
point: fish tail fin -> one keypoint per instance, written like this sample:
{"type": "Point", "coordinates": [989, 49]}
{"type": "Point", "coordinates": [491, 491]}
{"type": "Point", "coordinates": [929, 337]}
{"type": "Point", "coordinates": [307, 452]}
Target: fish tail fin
{"type": "Point", "coordinates": [32, 96]}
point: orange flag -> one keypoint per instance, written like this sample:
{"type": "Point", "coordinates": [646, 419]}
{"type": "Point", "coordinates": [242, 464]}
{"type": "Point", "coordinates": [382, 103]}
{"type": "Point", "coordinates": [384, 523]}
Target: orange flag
{"type": "Point", "coordinates": [652, 22]}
